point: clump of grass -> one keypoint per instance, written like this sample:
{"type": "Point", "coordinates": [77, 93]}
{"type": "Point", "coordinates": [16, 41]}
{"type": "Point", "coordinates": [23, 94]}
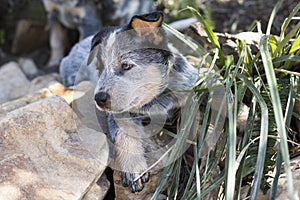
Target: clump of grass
{"type": "Point", "coordinates": [266, 81]}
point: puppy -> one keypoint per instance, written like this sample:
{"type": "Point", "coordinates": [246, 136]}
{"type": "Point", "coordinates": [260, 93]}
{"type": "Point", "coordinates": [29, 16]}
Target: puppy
{"type": "Point", "coordinates": [141, 81]}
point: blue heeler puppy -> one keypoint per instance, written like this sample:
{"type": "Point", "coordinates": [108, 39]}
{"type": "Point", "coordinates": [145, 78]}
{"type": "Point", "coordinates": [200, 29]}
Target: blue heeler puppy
{"type": "Point", "coordinates": [141, 78]}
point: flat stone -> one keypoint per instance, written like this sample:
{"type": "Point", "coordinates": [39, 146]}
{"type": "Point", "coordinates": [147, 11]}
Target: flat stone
{"type": "Point", "coordinates": [53, 88]}
{"type": "Point", "coordinates": [42, 156]}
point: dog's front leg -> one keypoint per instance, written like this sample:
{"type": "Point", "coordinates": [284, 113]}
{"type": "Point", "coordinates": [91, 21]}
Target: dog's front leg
{"type": "Point", "coordinates": [127, 133]}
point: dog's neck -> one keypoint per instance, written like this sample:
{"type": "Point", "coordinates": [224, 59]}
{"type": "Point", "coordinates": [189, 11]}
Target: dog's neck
{"type": "Point", "coordinates": [181, 77]}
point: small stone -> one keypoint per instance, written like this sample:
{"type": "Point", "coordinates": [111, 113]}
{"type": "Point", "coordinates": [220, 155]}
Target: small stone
{"type": "Point", "coordinates": [28, 66]}
{"type": "Point", "coordinates": [13, 82]}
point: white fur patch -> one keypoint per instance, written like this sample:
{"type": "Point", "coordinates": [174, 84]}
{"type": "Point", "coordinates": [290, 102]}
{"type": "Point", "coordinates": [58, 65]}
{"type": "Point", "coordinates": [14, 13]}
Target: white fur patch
{"type": "Point", "coordinates": [108, 53]}
{"type": "Point", "coordinates": [111, 39]}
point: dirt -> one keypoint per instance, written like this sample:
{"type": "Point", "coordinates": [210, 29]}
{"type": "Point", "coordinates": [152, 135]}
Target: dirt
{"type": "Point", "coordinates": [238, 15]}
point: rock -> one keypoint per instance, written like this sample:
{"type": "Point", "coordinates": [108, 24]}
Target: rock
{"type": "Point", "coordinates": [29, 67]}
{"type": "Point", "coordinates": [25, 100]}
{"type": "Point", "coordinates": [98, 190]}
{"type": "Point", "coordinates": [28, 31]}
{"type": "Point", "coordinates": [73, 67]}
{"type": "Point", "coordinates": [44, 81]}
{"type": "Point", "coordinates": [54, 88]}
{"type": "Point", "coordinates": [60, 90]}
{"type": "Point", "coordinates": [69, 95]}
{"type": "Point", "coordinates": [84, 105]}
{"type": "Point", "coordinates": [282, 192]}
{"type": "Point", "coordinates": [13, 82]}
{"type": "Point", "coordinates": [42, 156]}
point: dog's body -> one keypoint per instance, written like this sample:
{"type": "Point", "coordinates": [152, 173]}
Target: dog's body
{"type": "Point", "coordinates": [88, 17]}
{"type": "Point", "coordinates": [140, 89]}
{"type": "Point", "coordinates": [141, 77]}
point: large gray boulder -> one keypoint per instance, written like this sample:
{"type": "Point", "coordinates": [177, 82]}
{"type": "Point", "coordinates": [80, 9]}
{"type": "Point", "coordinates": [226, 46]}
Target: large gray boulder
{"type": "Point", "coordinates": [74, 68]}
{"type": "Point", "coordinates": [42, 155]}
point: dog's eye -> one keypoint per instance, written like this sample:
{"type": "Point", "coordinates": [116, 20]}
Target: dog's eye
{"type": "Point", "coordinates": [126, 66]}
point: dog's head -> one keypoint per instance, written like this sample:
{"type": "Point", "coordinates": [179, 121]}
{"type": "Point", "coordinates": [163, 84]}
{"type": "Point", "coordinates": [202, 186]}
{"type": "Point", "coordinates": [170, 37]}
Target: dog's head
{"type": "Point", "coordinates": [133, 62]}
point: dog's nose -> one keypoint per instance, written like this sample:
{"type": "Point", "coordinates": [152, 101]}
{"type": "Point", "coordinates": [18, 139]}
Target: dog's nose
{"type": "Point", "coordinates": [102, 99]}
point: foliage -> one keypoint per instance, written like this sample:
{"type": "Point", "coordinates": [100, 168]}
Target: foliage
{"type": "Point", "coordinates": [172, 9]}
{"type": "Point", "coordinates": [266, 81]}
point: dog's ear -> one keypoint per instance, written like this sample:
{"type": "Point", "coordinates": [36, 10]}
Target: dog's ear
{"type": "Point", "coordinates": [154, 19]}
{"type": "Point", "coordinates": [148, 26]}
{"type": "Point", "coordinates": [94, 48]}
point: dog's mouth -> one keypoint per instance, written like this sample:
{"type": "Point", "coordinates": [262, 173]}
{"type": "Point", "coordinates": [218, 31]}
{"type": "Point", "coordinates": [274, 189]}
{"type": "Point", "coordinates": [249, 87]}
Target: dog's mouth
{"type": "Point", "coordinates": [110, 110]}
{"type": "Point", "coordinates": [133, 105]}
{"type": "Point", "coordinates": [105, 109]}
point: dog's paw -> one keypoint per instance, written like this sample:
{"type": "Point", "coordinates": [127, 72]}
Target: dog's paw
{"type": "Point", "coordinates": [128, 179]}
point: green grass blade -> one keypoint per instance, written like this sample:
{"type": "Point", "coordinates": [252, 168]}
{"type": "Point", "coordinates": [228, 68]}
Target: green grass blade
{"type": "Point", "coordinates": [273, 43]}
{"type": "Point", "coordinates": [244, 145]}
{"type": "Point", "coordinates": [231, 151]}
{"type": "Point", "coordinates": [273, 189]}
{"type": "Point", "coordinates": [295, 45]}
{"type": "Point", "coordinates": [288, 20]}
{"type": "Point", "coordinates": [188, 115]}
{"type": "Point", "coordinates": [217, 181]}
{"type": "Point", "coordinates": [198, 180]}
{"type": "Point", "coordinates": [286, 39]}
{"type": "Point", "coordinates": [206, 27]}
{"type": "Point", "coordinates": [191, 178]}
{"type": "Point", "coordinates": [275, 99]}
{"type": "Point", "coordinates": [273, 14]}
{"type": "Point", "coordinates": [209, 32]}
{"type": "Point", "coordinates": [199, 147]}
{"type": "Point", "coordinates": [263, 136]}
{"type": "Point", "coordinates": [195, 47]}
{"type": "Point", "coordinates": [173, 192]}
{"type": "Point", "coordinates": [288, 115]}
{"type": "Point", "coordinates": [291, 101]}
{"type": "Point", "coordinates": [285, 58]}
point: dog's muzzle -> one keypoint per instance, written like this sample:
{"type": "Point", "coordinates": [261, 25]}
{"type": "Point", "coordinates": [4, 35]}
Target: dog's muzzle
{"type": "Point", "coordinates": [102, 100]}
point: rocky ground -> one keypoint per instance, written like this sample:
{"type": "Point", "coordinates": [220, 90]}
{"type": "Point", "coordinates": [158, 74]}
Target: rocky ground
{"type": "Point", "coordinates": [44, 149]}
{"type": "Point", "coordinates": [42, 156]}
